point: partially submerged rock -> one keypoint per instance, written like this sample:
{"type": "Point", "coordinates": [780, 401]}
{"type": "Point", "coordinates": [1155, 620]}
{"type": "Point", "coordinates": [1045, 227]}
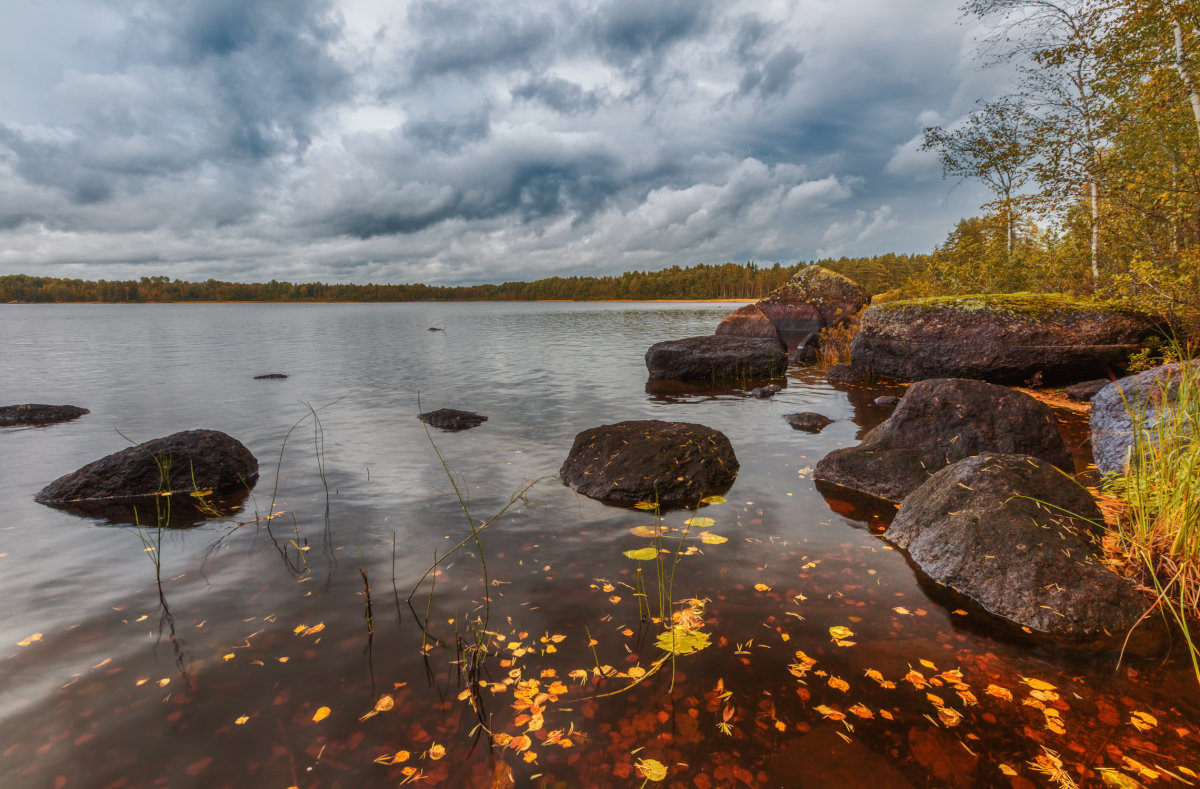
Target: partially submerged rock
{"type": "Point", "coordinates": [940, 421]}
{"type": "Point", "coordinates": [673, 463]}
{"type": "Point", "coordinates": [185, 462]}
{"type": "Point", "coordinates": [747, 321]}
{"type": "Point", "coordinates": [453, 419]}
{"type": "Point", "coordinates": [765, 392]}
{"type": "Point", "coordinates": [1002, 338]}
{"type": "Point", "coordinates": [841, 375]}
{"type": "Point", "coordinates": [1086, 390]}
{"type": "Point", "coordinates": [270, 376]}
{"type": "Point", "coordinates": [1148, 397]}
{"type": "Point", "coordinates": [716, 358]}
{"type": "Point", "coordinates": [1017, 535]}
{"type": "Point", "coordinates": [808, 421]}
{"type": "Point", "coordinates": [28, 414]}
{"type": "Point", "coordinates": [886, 401]}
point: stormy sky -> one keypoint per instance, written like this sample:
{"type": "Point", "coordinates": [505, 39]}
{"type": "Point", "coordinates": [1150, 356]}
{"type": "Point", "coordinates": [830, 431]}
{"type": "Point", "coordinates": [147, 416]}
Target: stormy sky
{"type": "Point", "coordinates": [461, 141]}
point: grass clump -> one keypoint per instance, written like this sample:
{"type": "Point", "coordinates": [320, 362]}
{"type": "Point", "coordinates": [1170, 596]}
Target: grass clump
{"type": "Point", "coordinates": [1034, 305]}
{"type": "Point", "coordinates": [1160, 529]}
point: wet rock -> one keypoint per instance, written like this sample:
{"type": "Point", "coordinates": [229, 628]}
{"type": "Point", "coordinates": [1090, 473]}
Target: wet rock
{"type": "Point", "coordinates": [808, 421]}
{"type": "Point", "coordinates": [269, 376]}
{"type": "Point", "coordinates": [435, 328]}
{"type": "Point", "coordinates": [674, 463]}
{"type": "Point", "coordinates": [764, 392]}
{"type": "Point", "coordinates": [841, 375]}
{"type": "Point", "coordinates": [715, 358]}
{"type": "Point", "coordinates": [885, 401]}
{"type": "Point", "coordinates": [1086, 390]}
{"type": "Point", "coordinates": [812, 299]}
{"type": "Point", "coordinates": [1007, 338]}
{"type": "Point", "coordinates": [453, 419]}
{"type": "Point", "coordinates": [1018, 536]}
{"type": "Point", "coordinates": [940, 421]}
{"type": "Point", "coordinates": [747, 321]}
{"type": "Point", "coordinates": [1150, 395]}
{"type": "Point", "coordinates": [28, 414]}
{"type": "Point", "coordinates": [805, 354]}
{"type": "Point", "coordinates": [179, 463]}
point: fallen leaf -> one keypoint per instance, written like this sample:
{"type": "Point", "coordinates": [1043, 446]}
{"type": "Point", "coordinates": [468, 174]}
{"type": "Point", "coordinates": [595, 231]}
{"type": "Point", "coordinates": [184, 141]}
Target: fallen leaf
{"type": "Point", "coordinates": [646, 554]}
{"type": "Point", "coordinates": [841, 632]}
{"type": "Point", "coordinates": [648, 506]}
{"type": "Point", "coordinates": [700, 522]}
{"type": "Point", "coordinates": [999, 692]}
{"type": "Point", "coordinates": [26, 642]}
{"type": "Point", "coordinates": [713, 500]}
{"type": "Point", "coordinates": [708, 538]}
{"type": "Point", "coordinates": [241, 720]}
{"type": "Point", "coordinates": [645, 531]}
{"type": "Point", "coordinates": [837, 683]}
{"type": "Point", "coordinates": [651, 769]}
{"type": "Point", "coordinates": [762, 588]}
{"type": "Point", "coordinates": [321, 714]}
{"type": "Point", "coordinates": [1038, 684]}
{"type": "Point", "coordinates": [1143, 721]}
{"type": "Point", "coordinates": [436, 751]}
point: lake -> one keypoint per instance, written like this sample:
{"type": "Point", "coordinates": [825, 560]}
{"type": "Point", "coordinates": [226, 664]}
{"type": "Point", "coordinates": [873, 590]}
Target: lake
{"type": "Point", "coordinates": [315, 649]}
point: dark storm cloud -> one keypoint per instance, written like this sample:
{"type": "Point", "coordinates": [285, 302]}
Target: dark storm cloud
{"type": "Point", "coordinates": [468, 141]}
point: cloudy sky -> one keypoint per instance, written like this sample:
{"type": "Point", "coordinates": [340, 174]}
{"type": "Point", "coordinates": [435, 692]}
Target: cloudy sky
{"type": "Point", "coordinates": [457, 141]}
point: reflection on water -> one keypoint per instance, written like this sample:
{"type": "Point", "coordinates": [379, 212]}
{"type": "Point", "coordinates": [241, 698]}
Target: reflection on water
{"type": "Point", "coordinates": [304, 649]}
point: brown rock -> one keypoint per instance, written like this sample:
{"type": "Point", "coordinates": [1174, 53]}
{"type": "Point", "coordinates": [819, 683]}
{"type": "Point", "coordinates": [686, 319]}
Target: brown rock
{"type": "Point", "coordinates": [748, 321]}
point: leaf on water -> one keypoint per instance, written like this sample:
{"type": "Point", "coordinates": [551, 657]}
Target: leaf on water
{"type": "Point", "coordinates": [928, 664]}
{"type": "Point", "coordinates": [645, 531]}
{"type": "Point", "coordinates": [651, 769]}
{"type": "Point", "coordinates": [949, 717]}
{"type": "Point", "coordinates": [227, 656]}
{"type": "Point", "coordinates": [648, 506]}
{"type": "Point", "coordinates": [935, 700]}
{"type": "Point", "coordinates": [637, 672]}
{"type": "Point", "coordinates": [241, 720]}
{"type": "Point", "coordinates": [999, 692]}
{"type": "Point", "coordinates": [200, 493]}
{"type": "Point", "coordinates": [614, 599]}
{"type": "Point", "coordinates": [1143, 721]}
{"type": "Point", "coordinates": [841, 632]}
{"type": "Point", "coordinates": [436, 751]}
{"type": "Point", "coordinates": [837, 683]}
{"type": "Point", "coordinates": [682, 642]}
{"type": "Point", "coordinates": [902, 611]}
{"type": "Point", "coordinates": [713, 500]}
{"type": "Point", "coordinates": [700, 522]}
{"type": "Point", "coordinates": [708, 538]}
{"type": "Point", "coordinates": [646, 554]}
{"type": "Point", "coordinates": [916, 678]}
{"type": "Point", "coordinates": [321, 714]}
{"type": "Point", "coordinates": [830, 713]}
{"type": "Point", "coordinates": [1038, 684]}
{"type": "Point", "coordinates": [862, 712]}
{"type": "Point", "coordinates": [1007, 770]}
{"type": "Point", "coordinates": [26, 642]}
{"type": "Point", "coordinates": [1118, 780]}
{"type": "Point", "coordinates": [762, 588]}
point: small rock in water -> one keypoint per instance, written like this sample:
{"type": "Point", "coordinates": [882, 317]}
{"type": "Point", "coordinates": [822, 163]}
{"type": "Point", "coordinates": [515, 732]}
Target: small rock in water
{"type": "Point", "coordinates": [886, 400]}
{"type": "Point", "coordinates": [808, 421]}
{"type": "Point", "coordinates": [452, 419]}
{"type": "Point", "coordinates": [269, 375]}
{"type": "Point", "coordinates": [841, 375]}
{"type": "Point", "coordinates": [1086, 390]}
{"type": "Point", "coordinates": [38, 414]}
{"type": "Point", "coordinates": [763, 392]}
{"type": "Point", "coordinates": [435, 328]}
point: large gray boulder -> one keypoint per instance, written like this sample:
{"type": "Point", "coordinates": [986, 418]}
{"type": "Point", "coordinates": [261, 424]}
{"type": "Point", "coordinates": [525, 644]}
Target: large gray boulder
{"type": "Point", "coordinates": [1002, 338]}
{"type": "Point", "coordinates": [180, 463]}
{"type": "Point", "coordinates": [716, 358]}
{"type": "Point", "coordinates": [938, 422]}
{"type": "Point", "coordinates": [673, 463]}
{"type": "Point", "coordinates": [1150, 397]}
{"type": "Point", "coordinates": [1018, 536]}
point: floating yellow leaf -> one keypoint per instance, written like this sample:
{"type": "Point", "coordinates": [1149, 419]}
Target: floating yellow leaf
{"type": "Point", "coordinates": [1038, 684]}
{"type": "Point", "coordinates": [700, 522]}
{"type": "Point", "coordinates": [837, 683]}
{"type": "Point", "coordinates": [614, 599]}
{"type": "Point", "coordinates": [841, 632]}
{"type": "Point", "coordinates": [648, 506]}
{"type": "Point", "coordinates": [862, 712]}
{"type": "Point", "coordinates": [830, 713]}
{"type": "Point", "coordinates": [762, 588]}
{"type": "Point", "coordinates": [1118, 780]}
{"type": "Point", "coordinates": [645, 531]}
{"type": "Point", "coordinates": [949, 717]}
{"type": "Point", "coordinates": [26, 642]}
{"type": "Point", "coordinates": [708, 538]}
{"type": "Point", "coordinates": [558, 689]}
{"type": "Point", "coordinates": [928, 664]}
{"type": "Point", "coordinates": [321, 714]}
{"type": "Point", "coordinates": [1143, 721]}
{"type": "Point", "coordinates": [999, 692]}
{"type": "Point", "coordinates": [902, 610]}
{"type": "Point", "coordinates": [400, 757]}
{"type": "Point", "coordinates": [1007, 770]}
{"type": "Point", "coordinates": [637, 672]}
{"type": "Point", "coordinates": [241, 720]}
{"type": "Point", "coordinates": [713, 500]}
{"type": "Point", "coordinates": [646, 554]}
{"type": "Point", "coordinates": [162, 683]}
{"type": "Point", "coordinates": [436, 751]}
{"type": "Point", "coordinates": [227, 656]}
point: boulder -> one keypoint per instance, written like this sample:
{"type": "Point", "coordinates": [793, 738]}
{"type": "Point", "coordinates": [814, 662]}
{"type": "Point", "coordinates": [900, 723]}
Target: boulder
{"type": "Point", "coordinates": [1018, 536]}
{"type": "Point", "coordinates": [28, 414]}
{"type": "Point", "coordinates": [674, 463]}
{"type": "Point", "coordinates": [715, 358]}
{"type": "Point", "coordinates": [1004, 338]}
{"type": "Point", "coordinates": [940, 421]}
{"type": "Point", "coordinates": [748, 321]}
{"type": "Point", "coordinates": [1150, 396]}
{"type": "Point", "coordinates": [452, 419]}
{"type": "Point", "coordinates": [808, 421]}
{"type": "Point", "coordinates": [841, 375]}
{"type": "Point", "coordinates": [812, 299]}
{"type": "Point", "coordinates": [179, 463]}
{"type": "Point", "coordinates": [1086, 390]}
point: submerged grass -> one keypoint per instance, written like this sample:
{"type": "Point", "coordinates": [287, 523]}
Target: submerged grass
{"type": "Point", "coordinates": [1160, 529]}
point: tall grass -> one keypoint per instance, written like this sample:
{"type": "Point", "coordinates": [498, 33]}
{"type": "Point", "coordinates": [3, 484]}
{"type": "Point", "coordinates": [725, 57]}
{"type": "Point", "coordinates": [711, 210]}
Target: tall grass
{"type": "Point", "coordinates": [1161, 488]}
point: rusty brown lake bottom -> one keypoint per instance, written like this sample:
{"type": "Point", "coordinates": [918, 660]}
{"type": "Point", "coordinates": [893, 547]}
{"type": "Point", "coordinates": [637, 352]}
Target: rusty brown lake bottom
{"type": "Point", "coordinates": [830, 661]}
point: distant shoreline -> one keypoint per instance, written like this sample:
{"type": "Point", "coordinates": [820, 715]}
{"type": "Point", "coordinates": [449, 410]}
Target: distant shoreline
{"type": "Point", "coordinates": [427, 301]}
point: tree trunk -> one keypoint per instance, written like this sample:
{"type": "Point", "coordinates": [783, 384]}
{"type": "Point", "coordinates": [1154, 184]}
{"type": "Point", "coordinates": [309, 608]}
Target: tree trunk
{"type": "Point", "coordinates": [1095, 236]}
{"type": "Point", "coordinates": [1184, 75]}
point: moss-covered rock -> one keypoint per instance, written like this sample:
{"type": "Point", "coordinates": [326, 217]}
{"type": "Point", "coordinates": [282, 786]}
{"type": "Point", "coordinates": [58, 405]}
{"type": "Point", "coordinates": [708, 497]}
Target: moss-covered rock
{"type": "Point", "coordinates": [1003, 338]}
{"type": "Point", "coordinates": [811, 300]}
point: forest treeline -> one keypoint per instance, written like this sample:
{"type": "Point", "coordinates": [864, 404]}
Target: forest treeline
{"type": "Point", "coordinates": [725, 281]}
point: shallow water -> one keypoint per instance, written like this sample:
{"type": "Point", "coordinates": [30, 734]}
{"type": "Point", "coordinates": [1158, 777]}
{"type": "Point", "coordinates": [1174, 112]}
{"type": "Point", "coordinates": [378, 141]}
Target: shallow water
{"type": "Point", "coordinates": [209, 679]}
